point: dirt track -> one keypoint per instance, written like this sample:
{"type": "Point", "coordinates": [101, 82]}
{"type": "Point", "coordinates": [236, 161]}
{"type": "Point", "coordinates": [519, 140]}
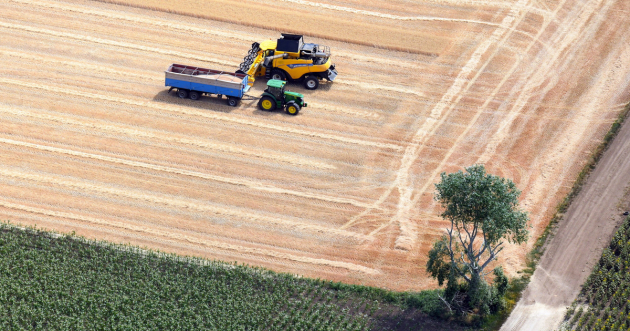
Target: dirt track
{"type": "Point", "coordinates": [582, 235]}
{"type": "Point", "coordinates": [91, 142]}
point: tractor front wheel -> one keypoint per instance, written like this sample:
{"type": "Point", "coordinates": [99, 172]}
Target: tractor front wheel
{"type": "Point", "coordinates": [267, 103]}
{"type": "Point", "coordinates": [292, 108]}
{"type": "Point", "coordinates": [311, 82]}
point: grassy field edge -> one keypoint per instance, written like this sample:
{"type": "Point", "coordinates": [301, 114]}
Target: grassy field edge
{"type": "Point", "coordinates": [121, 285]}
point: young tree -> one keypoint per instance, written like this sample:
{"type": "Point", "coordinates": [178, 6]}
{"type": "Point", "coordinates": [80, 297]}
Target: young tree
{"type": "Point", "coordinates": [483, 210]}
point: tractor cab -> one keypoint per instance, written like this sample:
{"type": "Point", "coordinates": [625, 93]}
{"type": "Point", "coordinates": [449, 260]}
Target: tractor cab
{"type": "Point", "coordinates": [276, 97]}
{"type": "Point", "coordinates": [276, 88]}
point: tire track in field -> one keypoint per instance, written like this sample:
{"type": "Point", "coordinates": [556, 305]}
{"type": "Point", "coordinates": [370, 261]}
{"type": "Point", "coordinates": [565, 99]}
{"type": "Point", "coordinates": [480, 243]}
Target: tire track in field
{"type": "Point", "coordinates": [114, 43]}
{"type": "Point", "coordinates": [538, 72]}
{"type": "Point", "coordinates": [545, 14]}
{"type": "Point", "coordinates": [249, 14]}
{"type": "Point", "coordinates": [233, 181]}
{"type": "Point", "coordinates": [350, 111]}
{"type": "Point", "coordinates": [372, 86]}
{"type": "Point", "coordinates": [81, 65]}
{"type": "Point", "coordinates": [121, 44]}
{"type": "Point", "coordinates": [206, 59]}
{"type": "Point", "coordinates": [365, 58]}
{"type": "Point", "coordinates": [552, 166]}
{"type": "Point", "coordinates": [564, 39]}
{"type": "Point", "coordinates": [179, 203]}
{"type": "Point", "coordinates": [591, 217]}
{"type": "Point", "coordinates": [495, 4]}
{"type": "Point", "coordinates": [461, 85]}
{"type": "Point", "coordinates": [384, 15]}
{"type": "Point", "coordinates": [179, 237]}
{"type": "Point", "coordinates": [440, 111]}
{"type": "Point", "coordinates": [319, 103]}
{"type": "Point", "coordinates": [523, 93]}
{"type": "Point", "coordinates": [131, 18]}
{"type": "Point", "coordinates": [190, 28]}
{"type": "Point", "coordinates": [166, 136]}
{"type": "Point", "coordinates": [189, 112]}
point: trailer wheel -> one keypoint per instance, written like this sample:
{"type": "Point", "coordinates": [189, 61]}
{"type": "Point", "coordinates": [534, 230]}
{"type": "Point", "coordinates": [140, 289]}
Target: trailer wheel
{"type": "Point", "coordinates": [267, 103]}
{"type": "Point", "coordinates": [182, 94]}
{"type": "Point", "coordinates": [311, 82]}
{"type": "Point", "coordinates": [233, 102]}
{"type": "Point", "coordinates": [278, 74]}
{"type": "Point", "coordinates": [194, 95]}
{"type": "Point", "coordinates": [292, 108]}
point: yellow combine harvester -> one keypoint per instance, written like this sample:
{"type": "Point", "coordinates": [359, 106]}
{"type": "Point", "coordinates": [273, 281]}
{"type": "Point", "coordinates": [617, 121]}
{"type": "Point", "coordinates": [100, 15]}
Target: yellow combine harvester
{"type": "Point", "coordinates": [289, 58]}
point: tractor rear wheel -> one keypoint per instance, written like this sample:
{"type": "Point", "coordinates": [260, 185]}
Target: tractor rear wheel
{"type": "Point", "coordinates": [311, 82]}
{"type": "Point", "coordinates": [182, 94]}
{"type": "Point", "coordinates": [194, 95]}
{"type": "Point", "coordinates": [278, 74]}
{"type": "Point", "coordinates": [292, 108]}
{"type": "Point", "coordinates": [267, 103]}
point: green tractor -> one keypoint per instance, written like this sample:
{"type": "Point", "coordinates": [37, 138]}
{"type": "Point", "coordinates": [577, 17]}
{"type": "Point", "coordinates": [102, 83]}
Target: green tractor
{"type": "Point", "coordinates": [276, 97]}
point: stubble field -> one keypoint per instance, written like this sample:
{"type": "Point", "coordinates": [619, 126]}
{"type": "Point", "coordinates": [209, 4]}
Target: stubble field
{"type": "Point", "coordinates": [91, 141]}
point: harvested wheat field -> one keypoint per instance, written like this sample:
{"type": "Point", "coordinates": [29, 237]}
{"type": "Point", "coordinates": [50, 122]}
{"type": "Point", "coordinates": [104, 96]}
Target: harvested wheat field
{"type": "Point", "coordinates": [91, 141]}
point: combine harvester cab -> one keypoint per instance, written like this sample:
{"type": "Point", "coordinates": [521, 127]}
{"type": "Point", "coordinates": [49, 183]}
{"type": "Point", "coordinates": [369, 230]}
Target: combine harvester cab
{"type": "Point", "coordinates": [289, 58]}
{"type": "Point", "coordinates": [192, 82]}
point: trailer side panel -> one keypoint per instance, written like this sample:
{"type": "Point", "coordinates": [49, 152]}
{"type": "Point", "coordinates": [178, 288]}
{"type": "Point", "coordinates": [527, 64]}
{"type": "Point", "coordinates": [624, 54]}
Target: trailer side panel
{"type": "Point", "coordinates": [206, 88]}
{"type": "Point", "coordinates": [206, 80]}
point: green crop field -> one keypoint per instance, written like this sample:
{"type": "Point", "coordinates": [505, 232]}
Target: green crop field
{"type": "Point", "coordinates": [604, 302]}
{"type": "Point", "coordinates": [55, 282]}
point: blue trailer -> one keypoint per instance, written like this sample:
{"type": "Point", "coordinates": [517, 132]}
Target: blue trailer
{"type": "Point", "coordinates": [192, 82]}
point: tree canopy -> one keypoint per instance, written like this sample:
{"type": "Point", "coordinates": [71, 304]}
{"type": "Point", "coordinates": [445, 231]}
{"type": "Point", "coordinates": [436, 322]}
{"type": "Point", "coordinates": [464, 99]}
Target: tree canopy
{"type": "Point", "coordinates": [484, 211]}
